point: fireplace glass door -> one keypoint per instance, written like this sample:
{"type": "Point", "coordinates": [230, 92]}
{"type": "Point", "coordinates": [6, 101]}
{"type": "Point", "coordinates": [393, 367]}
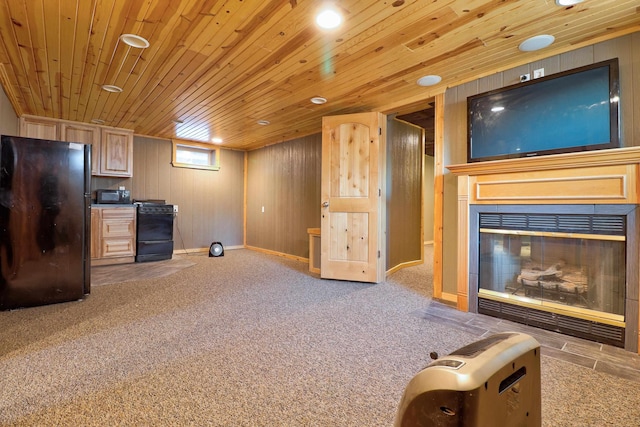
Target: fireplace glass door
{"type": "Point", "coordinates": [581, 274]}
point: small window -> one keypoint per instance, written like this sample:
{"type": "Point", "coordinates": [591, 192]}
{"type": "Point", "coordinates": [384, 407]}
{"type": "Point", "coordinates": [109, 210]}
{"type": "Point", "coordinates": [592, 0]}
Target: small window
{"type": "Point", "coordinates": [195, 155]}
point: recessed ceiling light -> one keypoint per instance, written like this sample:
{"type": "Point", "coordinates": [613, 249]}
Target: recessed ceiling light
{"type": "Point", "coordinates": [216, 140]}
{"type": "Point", "coordinates": [263, 122]}
{"type": "Point", "coordinates": [112, 88]}
{"type": "Point", "coordinates": [536, 43]}
{"type": "Point", "coordinates": [568, 2]}
{"type": "Point", "coordinates": [328, 18]}
{"type": "Point", "coordinates": [429, 80]}
{"type": "Point", "coordinates": [97, 121]}
{"type": "Point", "coordinates": [134, 40]}
{"type": "Point", "coordinates": [318, 100]}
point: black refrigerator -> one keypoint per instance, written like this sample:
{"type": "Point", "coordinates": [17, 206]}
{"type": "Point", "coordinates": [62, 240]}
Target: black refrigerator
{"type": "Point", "coordinates": [45, 221]}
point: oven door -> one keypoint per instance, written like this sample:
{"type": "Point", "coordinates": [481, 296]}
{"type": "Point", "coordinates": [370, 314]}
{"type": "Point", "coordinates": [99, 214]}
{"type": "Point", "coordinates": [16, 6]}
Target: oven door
{"type": "Point", "coordinates": [154, 225]}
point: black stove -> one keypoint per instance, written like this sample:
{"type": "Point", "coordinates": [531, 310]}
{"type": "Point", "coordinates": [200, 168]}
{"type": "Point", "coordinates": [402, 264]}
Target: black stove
{"type": "Point", "coordinates": [154, 236]}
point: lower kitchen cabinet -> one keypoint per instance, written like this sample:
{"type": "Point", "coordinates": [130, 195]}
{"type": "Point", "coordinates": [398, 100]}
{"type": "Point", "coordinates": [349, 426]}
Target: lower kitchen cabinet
{"type": "Point", "coordinates": [113, 235]}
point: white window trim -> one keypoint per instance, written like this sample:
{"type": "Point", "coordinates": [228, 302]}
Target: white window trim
{"type": "Point", "coordinates": [214, 152]}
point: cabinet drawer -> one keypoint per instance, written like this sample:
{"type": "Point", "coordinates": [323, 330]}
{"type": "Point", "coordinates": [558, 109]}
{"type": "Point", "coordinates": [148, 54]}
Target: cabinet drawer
{"type": "Point", "coordinates": [117, 228]}
{"type": "Point", "coordinates": [117, 247]}
{"type": "Point", "coordinates": [118, 213]}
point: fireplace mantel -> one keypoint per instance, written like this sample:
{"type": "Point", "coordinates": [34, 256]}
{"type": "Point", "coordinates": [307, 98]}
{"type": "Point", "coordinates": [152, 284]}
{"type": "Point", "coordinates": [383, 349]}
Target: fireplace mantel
{"type": "Point", "coordinates": [618, 156]}
{"type": "Point", "coordinates": [592, 177]}
{"type": "Point", "coordinates": [601, 177]}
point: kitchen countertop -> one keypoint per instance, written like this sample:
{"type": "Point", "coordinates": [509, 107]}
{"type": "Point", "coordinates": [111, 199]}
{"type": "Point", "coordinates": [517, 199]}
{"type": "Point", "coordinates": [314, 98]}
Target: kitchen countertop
{"type": "Point", "coordinates": [113, 205]}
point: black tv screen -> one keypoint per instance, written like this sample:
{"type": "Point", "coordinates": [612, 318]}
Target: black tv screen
{"type": "Point", "coordinates": [571, 111]}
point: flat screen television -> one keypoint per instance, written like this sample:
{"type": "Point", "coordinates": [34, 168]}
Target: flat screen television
{"type": "Point", "coordinates": [571, 111]}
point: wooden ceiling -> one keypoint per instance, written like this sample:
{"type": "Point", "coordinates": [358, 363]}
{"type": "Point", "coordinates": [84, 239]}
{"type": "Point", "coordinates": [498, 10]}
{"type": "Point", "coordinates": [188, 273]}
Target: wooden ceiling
{"type": "Point", "coordinates": [217, 67]}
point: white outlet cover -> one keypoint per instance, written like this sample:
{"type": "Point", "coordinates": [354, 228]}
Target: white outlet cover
{"type": "Point", "coordinates": [538, 73]}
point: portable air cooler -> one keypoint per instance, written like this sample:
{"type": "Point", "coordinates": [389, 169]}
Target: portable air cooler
{"type": "Point", "coordinates": [491, 382]}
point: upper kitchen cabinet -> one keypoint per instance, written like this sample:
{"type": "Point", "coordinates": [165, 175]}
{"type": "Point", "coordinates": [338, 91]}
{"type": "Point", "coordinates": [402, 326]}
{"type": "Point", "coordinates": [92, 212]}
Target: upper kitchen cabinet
{"type": "Point", "coordinates": [116, 152]}
{"type": "Point", "coordinates": [111, 148]}
{"type": "Point", "coordinates": [87, 134]}
{"type": "Point", "coordinates": [39, 127]}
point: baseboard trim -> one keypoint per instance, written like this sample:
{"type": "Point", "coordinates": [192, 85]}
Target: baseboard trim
{"type": "Point", "coordinates": [202, 250]}
{"type": "Point", "coordinates": [276, 253]}
{"type": "Point", "coordinates": [404, 265]}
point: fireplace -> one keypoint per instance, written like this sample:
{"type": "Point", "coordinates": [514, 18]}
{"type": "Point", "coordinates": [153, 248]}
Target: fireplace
{"type": "Point", "coordinates": [553, 242]}
{"type": "Point", "coordinates": [560, 271]}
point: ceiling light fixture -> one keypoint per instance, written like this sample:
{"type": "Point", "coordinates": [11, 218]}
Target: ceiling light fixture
{"type": "Point", "coordinates": [134, 40]}
{"type": "Point", "coordinates": [568, 2]}
{"type": "Point", "coordinates": [112, 88]}
{"type": "Point", "coordinates": [216, 140]}
{"type": "Point", "coordinates": [328, 18]}
{"type": "Point", "coordinates": [318, 100]}
{"type": "Point", "coordinates": [536, 43]}
{"type": "Point", "coordinates": [429, 80]}
{"type": "Point", "coordinates": [263, 122]}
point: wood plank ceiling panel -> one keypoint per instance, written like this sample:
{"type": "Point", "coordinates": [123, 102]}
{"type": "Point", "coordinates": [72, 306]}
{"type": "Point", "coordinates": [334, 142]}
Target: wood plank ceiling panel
{"type": "Point", "coordinates": [317, 73]}
{"type": "Point", "coordinates": [126, 59]}
{"type": "Point", "coordinates": [34, 15]}
{"type": "Point", "coordinates": [104, 55]}
{"type": "Point", "coordinates": [284, 41]}
{"type": "Point", "coordinates": [262, 69]}
{"type": "Point", "coordinates": [219, 66]}
{"type": "Point", "coordinates": [240, 51]}
{"type": "Point", "coordinates": [176, 56]}
{"type": "Point", "coordinates": [176, 27]}
{"type": "Point", "coordinates": [51, 69]}
{"type": "Point", "coordinates": [17, 40]}
{"type": "Point", "coordinates": [194, 60]}
{"type": "Point", "coordinates": [375, 46]}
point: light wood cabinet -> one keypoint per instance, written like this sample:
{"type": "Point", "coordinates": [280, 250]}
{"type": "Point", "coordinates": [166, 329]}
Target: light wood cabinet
{"type": "Point", "coordinates": [39, 127]}
{"type": "Point", "coordinates": [111, 148]}
{"type": "Point", "coordinates": [116, 152]}
{"type": "Point", "coordinates": [86, 134]}
{"type": "Point", "coordinates": [95, 233]}
{"type": "Point", "coordinates": [113, 235]}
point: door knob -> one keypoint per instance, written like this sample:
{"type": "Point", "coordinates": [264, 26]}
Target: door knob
{"type": "Point", "coordinates": [325, 204]}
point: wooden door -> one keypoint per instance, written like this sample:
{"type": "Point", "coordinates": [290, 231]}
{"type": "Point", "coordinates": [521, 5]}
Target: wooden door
{"type": "Point", "coordinates": [352, 215]}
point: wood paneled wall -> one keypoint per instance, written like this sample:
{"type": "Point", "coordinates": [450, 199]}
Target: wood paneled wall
{"type": "Point", "coordinates": [284, 179]}
{"type": "Point", "coordinates": [210, 203]}
{"type": "Point", "coordinates": [626, 49]}
{"type": "Point", "coordinates": [405, 148]}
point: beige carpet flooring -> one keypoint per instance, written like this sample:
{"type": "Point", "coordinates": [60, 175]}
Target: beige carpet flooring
{"type": "Point", "coordinates": [250, 339]}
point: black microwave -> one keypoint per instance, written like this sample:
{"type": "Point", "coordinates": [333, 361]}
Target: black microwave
{"type": "Point", "coordinates": [113, 196]}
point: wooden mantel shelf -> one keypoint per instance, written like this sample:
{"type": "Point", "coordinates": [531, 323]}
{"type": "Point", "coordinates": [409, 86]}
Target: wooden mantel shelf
{"type": "Point", "coordinates": [596, 158]}
{"type": "Point", "coordinates": [590, 177]}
